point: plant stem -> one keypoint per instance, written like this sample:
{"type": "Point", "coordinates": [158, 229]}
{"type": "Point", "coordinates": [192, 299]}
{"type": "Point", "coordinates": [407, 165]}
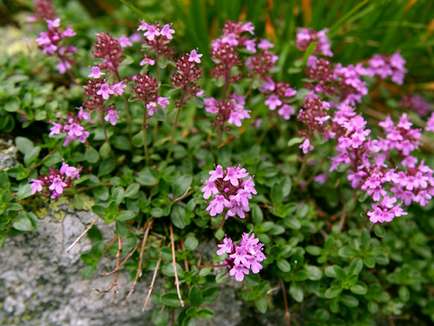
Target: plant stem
{"type": "Point", "coordinates": [158, 94]}
{"type": "Point", "coordinates": [127, 110]}
{"type": "Point", "coordinates": [105, 133]}
{"type": "Point", "coordinates": [175, 126]}
{"type": "Point", "coordinates": [145, 138]}
{"type": "Point", "coordinates": [177, 283]}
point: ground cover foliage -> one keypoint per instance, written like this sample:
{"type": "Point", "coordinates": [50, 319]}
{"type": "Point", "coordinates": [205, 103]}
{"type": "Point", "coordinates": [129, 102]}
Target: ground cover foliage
{"type": "Point", "coordinates": [303, 155]}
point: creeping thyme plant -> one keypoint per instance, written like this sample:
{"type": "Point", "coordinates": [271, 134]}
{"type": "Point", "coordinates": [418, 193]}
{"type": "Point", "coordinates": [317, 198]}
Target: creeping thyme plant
{"type": "Point", "coordinates": [308, 171]}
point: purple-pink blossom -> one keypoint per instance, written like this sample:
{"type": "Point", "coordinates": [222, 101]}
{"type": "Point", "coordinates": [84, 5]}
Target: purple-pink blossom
{"type": "Point", "coordinates": [193, 56]}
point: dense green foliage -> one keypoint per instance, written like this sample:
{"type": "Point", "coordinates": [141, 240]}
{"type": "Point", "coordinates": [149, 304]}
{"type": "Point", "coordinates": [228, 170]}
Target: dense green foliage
{"type": "Point", "coordinates": [317, 238]}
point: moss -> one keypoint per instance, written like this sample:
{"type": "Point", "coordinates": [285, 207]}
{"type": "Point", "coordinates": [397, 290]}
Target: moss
{"type": "Point", "coordinates": [44, 206]}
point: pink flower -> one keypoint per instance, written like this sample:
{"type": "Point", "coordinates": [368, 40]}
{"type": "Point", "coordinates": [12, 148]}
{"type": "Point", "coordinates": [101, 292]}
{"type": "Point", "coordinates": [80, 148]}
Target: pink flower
{"type": "Point", "coordinates": [118, 88]}
{"type": "Point", "coordinates": [113, 116]}
{"type": "Point", "coordinates": [163, 101]}
{"type": "Point", "coordinates": [248, 27]}
{"type": "Point", "coordinates": [209, 189]}
{"type": "Point", "coordinates": [105, 91]}
{"type": "Point", "coordinates": [239, 271]}
{"type": "Point", "coordinates": [143, 26]}
{"type": "Point", "coordinates": [216, 174]}
{"type": "Point", "coordinates": [226, 247]}
{"type": "Point", "coordinates": [152, 108]}
{"type": "Point", "coordinates": [96, 73]}
{"type": "Point", "coordinates": [147, 61]}
{"type": "Point", "coordinates": [306, 146]}
{"type": "Point", "coordinates": [167, 31]}
{"type": "Point", "coordinates": [74, 129]}
{"type": "Point", "coordinates": [250, 45]}
{"type": "Point", "coordinates": [265, 44]}
{"type": "Point", "coordinates": [193, 56]}
{"type": "Point", "coordinates": [286, 111]}
{"type": "Point", "coordinates": [230, 39]}
{"type": "Point", "coordinates": [56, 129]}
{"type": "Point", "coordinates": [124, 41]}
{"type": "Point", "coordinates": [273, 102]}
{"type": "Point", "coordinates": [57, 185]}
{"type": "Point", "coordinates": [68, 32]}
{"type": "Point", "coordinates": [217, 205]}
{"type": "Point", "coordinates": [53, 23]}
{"type": "Point", "coordinates": [36, 185]}
{"type": "Point", "coordinates": [151, 32]}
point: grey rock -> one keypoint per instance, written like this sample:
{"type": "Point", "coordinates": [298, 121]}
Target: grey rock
{"type": "Point", "coordinates": [41, 284]}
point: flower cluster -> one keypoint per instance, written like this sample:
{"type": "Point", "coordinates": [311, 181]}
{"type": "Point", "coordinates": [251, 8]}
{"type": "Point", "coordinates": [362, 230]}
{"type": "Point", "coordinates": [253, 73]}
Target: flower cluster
{"type": "Point", "coordinates": [344, 83]}
{"type": "Point", "coordinates": [51, 43]}
{"type": "Point", "coordinates": [188, 72]}
{"type": "Point", "coordinates": [384, 66]}
{"type": "Point", "coordinates": [73, 128]}
{"type": "Point", "coordinates": [157, 37]}
{"type": "Point", "coordinates": [306, 36]}
{"type": "Point", "coordinates": [232, 111]}
{"type": "Point", "coordinates": [278, 97]}
{"type": "Point", "coordinates": [262, 63]}
{"type": "Point", "coordinates": [314, 116]}
{"type": "Point", "coordinates": [108, 49]}
{"type": "Point", "coordinates": [55, 181]}
{"type": "Point", "coordinates": [44, 9]}
{"type": "Point", "coordinates": [244, 257]}
{"type": "Point", "coordinates": [229, 190]}
{"type": "Point", "coordinates": [416, 103]}
{"type": "Point", "coordinates": [400, 136]}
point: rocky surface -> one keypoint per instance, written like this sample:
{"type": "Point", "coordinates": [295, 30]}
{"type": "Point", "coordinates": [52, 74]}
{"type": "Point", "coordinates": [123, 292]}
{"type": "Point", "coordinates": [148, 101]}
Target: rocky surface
{"type": "Point", "coordinates": [41, 284]}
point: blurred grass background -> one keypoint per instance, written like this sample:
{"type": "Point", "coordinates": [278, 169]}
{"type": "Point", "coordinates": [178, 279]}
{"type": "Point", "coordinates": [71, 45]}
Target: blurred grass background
{"type": "Point", "coordinates": [357, 28]}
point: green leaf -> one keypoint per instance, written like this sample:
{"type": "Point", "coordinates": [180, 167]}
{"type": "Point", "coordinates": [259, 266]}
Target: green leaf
{"type": "Point", "coordinates": [121, 229]}
{"type": "Point", "coordinates": [31, 155]}
{"type": "Point", "coordinates": [310, 49]}
{"type": "Point", "coordinates": [181, 184]}
{"type": "Point", "coordinates": [205, 314]}
{"type": "Point", "coordinates": [349, 300]}
{"type": "Point", "coordinates": [132, 190]}
{"type": "Point", "coordinates": [146, 178]}
{"type": "Point", "coordinates": [191, 243]}
{"type": "Point", "coordinates": [261, 304]}
{"type": "Point", "coordinates": [334, 291]}
{"type": "Point", "coordinates": [77, 202]}
{"type": "Point", "coordinates": [284, 265]}
{"type": "Point", "coordinates": [379, 231]}
{"type": "Point", "coordinates": [277, 194]}
{"type": "Point", "coordinates": [118, 194]}
{"type": "Point", "coordinates": [94, 234]}
{"type": "Point", "coordinates": [12, 105]}
{"type": "Point", "coordinates": [314, 273]}
{"type": "Point", "coordinates": [195, 296]}
{"type": "Point", "coordinates": [296, 291]}
{"type": "Point", "coordinates": [106, 166]}
{"type": "Point", "coordinates": [91, 155]}
{"type": "Point", "coordinates": [104, 150]}
{"type": "Point", "coordinates": [24, 192]}
{"type": "Point", "coordinates": [178, 217]}
{"type": "Point", "coordinates": [101, 192]}
{"type": "Point", "coordinates": [313, 250]}
{"type": "Point", "coordinates": [286, 185]}
{"type": "Point", "coordinates": [359, 288]}
{"type": "Point", "coordinates": [292, 222]}
{"type": "Point", "coordinates": [125, 215]}
{"type": "Point", "coordinates": [404, 293]}
{"type": "Point", "coordinates": [98, 249]}
{"type": "Point", "coordinates": [170, 299]}
{"type": "Point", "coordinates": [4, 180]}
{"type": "Point", "coordinates": [210, 294]}
{"type": "Point", "coordinates": [347, 252]}
{"type": "Point", "coordinates": [24, 145]}
{"type": "Point", "coordinates": [88, 271]}
{"type": "Point", "coordinates": [355, 267]}
{"type": "Point", "coordinates": [138, 140]}
{"type": "Point", "coordinates": [22, 223]}
{"type": "Point", "coordinates": [99, 210]}
{"type": "Point", "coordinates": [257, 214]}
{"type": "Point", "coordinates": [373, 307]}
{"type": "Point", "coordinates": [295, 140]}
{"type": "Point", "coordinates": [15, 207]}
{"type": "Point", "coordinates": [369, 261]}
{"type": "Point", "coordinates": [340, 273]}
